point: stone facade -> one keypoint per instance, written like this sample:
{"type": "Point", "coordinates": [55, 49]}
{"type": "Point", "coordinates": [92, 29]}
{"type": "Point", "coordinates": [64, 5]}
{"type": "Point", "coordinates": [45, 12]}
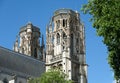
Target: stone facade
{"type": "Point", "coordinates": [65, 45]}
{"type": "Point", "coordinates": [28, 42]}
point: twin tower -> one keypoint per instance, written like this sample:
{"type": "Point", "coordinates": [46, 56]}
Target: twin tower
{"type": "Point", "coordinates": [65, 44]}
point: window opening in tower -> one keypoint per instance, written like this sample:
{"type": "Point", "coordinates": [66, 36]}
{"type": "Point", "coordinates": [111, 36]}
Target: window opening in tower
{"type": "Point", "coordinates": [58, 38]}
{"type": "Point", "coordinates": [63, 22]}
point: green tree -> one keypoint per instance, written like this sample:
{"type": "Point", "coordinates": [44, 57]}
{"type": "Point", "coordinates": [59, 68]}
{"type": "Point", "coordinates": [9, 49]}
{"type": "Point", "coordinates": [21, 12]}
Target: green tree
{"type": "Point", "coordinates": [52, 76]}
{"type": "Point", "coordinates": [106, 20]}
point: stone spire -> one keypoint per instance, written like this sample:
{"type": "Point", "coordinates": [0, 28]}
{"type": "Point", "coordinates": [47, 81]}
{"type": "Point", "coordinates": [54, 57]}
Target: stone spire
{"type": "Point", "coordinates": [42, 42]}
{"type": "Point", "coordinates": [50, 25]}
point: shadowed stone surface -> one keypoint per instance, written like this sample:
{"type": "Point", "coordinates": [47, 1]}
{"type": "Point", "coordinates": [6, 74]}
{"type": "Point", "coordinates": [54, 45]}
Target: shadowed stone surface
{"type": "Point", "coordinates": [19, 64]}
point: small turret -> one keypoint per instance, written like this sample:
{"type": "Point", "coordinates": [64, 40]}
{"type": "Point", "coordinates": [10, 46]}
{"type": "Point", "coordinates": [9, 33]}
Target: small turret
{"type": "Point", "coordinates": [50, 26]}
{"type": "Point", "coordinates": [47, 29]}
{"type": "Point", "coordinates": [42, 44]}
{"type": "Point", "coordinates": [43, 48]}
{"type": "Point", "coordinates": [15, 48]}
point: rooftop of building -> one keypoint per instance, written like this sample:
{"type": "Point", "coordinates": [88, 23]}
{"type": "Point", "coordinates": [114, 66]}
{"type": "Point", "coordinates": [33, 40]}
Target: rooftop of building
{"type": "Point", "coordinates": [63, 11]}
{"type": "Point", "coordinates": [34, 28]}
{"type": "Point", "coordinates": [20, 64]}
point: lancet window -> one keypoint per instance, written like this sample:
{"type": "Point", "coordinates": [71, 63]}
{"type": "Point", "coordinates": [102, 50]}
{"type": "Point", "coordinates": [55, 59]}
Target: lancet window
{"type": "Point", "coordinates": [58, 38]}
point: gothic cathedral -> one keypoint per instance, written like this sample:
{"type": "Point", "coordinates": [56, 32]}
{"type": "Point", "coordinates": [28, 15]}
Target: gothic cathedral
{"type": "Point", "coordinates": [65, 45]}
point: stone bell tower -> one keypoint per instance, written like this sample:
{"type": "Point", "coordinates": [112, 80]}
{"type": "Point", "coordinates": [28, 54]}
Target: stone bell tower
{"type": "Point", "coordinates": [29, 43]}
{"type": "Point", "coordinates": [65, 45]}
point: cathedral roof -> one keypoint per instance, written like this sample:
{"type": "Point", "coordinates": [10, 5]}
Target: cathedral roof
{"type": "Point", "coordinates": [20, 64]}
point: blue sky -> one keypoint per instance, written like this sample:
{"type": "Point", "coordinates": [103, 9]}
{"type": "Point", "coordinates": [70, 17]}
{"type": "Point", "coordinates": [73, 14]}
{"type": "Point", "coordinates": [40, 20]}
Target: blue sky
{"type": "Point", "coordinates": [17, 13]}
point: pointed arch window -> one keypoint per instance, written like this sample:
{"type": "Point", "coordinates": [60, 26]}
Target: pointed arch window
{"type": "Point", "coordinates": [58, 38]}
{"type": "Point", "coordinates": [63, 22]}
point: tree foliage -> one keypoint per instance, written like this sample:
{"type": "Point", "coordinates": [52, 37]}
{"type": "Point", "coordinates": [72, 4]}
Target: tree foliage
{"type": "Point", "coordinates": [106, 19]}
{"type": "Point", "coordinates": [52, 76]}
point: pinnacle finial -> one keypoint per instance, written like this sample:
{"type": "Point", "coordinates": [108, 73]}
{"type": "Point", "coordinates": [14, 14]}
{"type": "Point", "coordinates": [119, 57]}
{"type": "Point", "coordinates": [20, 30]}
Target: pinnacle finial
{"type": "Point", "coordinates": [50, 22]}
{"type": "Point", "coordinates": [47, 28]}
{"type": "Point", "coordinates": [29, 22]}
